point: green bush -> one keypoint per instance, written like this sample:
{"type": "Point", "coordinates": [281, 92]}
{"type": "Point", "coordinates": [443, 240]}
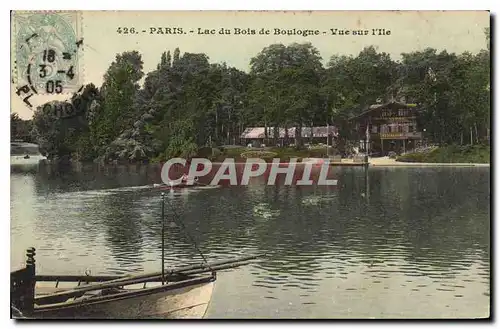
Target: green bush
{"type": "Point", "coordinates": [450, 154]}
{"type": "Point", "coordinates": [285, 153]}
{"type": "Point", "coordinates": [204, 152]}
{"type": "Point", "coordinates": [265, 155]}
{"type": "Point", "coordinates": [317, 147]}
{"type": "Point", "coordinates": [234, 151]}
{"type": "Point", "coordinates": [317, 152]}
{"type": "Point", "coordinates": [258, 154]}
{"type": "Point", "coordinates": [216, 153]}
{"type": "Point", "coordinates": [412, 157]}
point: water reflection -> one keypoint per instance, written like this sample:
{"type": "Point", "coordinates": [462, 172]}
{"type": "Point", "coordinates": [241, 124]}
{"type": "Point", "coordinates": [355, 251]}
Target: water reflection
{"type": "Point", "coordinates": [373, 240]}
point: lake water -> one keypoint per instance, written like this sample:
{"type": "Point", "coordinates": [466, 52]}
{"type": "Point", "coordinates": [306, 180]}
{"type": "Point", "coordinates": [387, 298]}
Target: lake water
{"type": "Point", "coordinates": [389, 243]}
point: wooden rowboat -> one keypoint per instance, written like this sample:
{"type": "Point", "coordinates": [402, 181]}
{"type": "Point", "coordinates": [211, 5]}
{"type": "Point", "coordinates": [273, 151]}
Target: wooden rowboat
{"type": "Point", "coordinates": [177, 293]}
{"type": "Point", "coordinates": [150, 299]}
{"type": "Point", "coordinates": [177, 186]}
{"type": "Point", "coordinates": [183, 293]}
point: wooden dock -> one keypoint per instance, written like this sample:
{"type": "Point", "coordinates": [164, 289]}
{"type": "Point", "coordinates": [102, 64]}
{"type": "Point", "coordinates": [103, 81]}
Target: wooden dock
{"type": "Point", "coordinates": [356, 161]}
{"type": "Point", "coordinates": [350, 164]}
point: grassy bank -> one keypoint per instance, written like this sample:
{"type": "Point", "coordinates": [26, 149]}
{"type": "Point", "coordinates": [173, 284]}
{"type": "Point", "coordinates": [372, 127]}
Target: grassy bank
{"type": "Point", "coordinates": [450, 154]}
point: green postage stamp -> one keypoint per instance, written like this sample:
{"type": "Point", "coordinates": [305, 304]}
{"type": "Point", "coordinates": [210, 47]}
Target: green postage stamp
{"type": "Point", "coordinates": [48, 52]}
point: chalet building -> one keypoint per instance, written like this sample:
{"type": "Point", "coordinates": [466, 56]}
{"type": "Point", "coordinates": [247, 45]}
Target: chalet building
{"type": "Point", "coordinates": [387, 127]}
{"type": "Point", "coordinates": [257, 135]}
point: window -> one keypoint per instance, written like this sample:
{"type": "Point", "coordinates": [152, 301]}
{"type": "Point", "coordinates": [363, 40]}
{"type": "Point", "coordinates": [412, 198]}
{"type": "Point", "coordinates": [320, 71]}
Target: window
{"type": "Point", "coordinates": [403, 112]}
{"type": "Point", "coordinates": [374, 129]}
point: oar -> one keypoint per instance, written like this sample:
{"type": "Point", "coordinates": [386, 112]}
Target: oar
{"type": "Point", "coordinates": [211, 265]}
{"type": "Point", "coordinates": [215, 268]}
{"type": "Point", "coordinates": [80, 291]}
{"type": "Point", "coordinates": [128, 280]}
{"type": "Point", "coordinates": [55, 304]}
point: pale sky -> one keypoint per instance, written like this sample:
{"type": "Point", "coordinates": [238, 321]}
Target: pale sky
{"type": "Point", "coordinates": [454, 31]}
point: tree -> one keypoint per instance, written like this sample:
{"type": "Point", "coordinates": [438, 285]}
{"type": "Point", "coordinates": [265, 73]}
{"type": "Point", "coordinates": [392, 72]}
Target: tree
{"type": "Point", "coordinates": [286, 85]}
{"type": "Point", "coordinates": [487, 34]}
{"type": "Point", "coordinates": [66, 137]}
{"type": "Point", "coordinates": [177, 54]}
{"type": "Point", "coordinates": [352, 83]}
{"type": "Point", "coordinates": [226, 116]}
{"type": "Point", "coordinates": [19, 128]}
{"type": "Point", "coordinates": [119, 89]}
{"type": "Point", "coordinates": [169, 59]}
{"type": "Point", "coordinates": [163, 61]}
{"type": "Point", "coordinates": [453, 93]}
{"type": "Point", "coordinates": [86, 104]}
{"type": "Point", "coordinates": [188, 103]}
{"type": "Point", "coordinates": [177, 100]}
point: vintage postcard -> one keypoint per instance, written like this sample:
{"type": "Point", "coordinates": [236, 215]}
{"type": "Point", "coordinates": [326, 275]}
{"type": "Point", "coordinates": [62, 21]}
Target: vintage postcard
{"type": "Point", "coordinates": [250, 165]}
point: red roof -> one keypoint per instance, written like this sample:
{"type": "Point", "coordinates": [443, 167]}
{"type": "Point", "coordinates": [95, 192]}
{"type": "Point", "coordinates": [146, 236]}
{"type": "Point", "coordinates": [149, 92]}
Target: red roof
{"type": "Point", "coordinates": [259, 132]}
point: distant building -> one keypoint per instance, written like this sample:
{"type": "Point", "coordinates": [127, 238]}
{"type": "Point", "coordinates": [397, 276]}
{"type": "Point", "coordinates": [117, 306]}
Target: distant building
{"type": "Point", "coordinates": [257, 135]}
{"type": "Point", "coordinates": [387, 127]}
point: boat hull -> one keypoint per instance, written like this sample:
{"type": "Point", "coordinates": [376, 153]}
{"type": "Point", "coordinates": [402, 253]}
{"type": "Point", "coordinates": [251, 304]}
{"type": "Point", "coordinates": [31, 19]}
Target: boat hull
{"type": "Point", "coordinates": [178, 186]}
{"type": "Point", "coordinates": [189, 302]}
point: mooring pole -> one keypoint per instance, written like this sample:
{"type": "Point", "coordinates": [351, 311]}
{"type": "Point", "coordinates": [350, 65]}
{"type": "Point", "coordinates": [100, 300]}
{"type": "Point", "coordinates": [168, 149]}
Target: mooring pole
{"type": "Point", "coordinates": [29, 293]}
{"type": "Point", "coordinates": [162, 238]}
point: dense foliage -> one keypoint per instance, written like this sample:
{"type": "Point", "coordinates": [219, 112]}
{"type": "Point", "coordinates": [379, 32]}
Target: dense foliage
{"type": "Point", "coordinates": [187, 103]}
{"type": "Point", "coordinates": [19, 129]}
{"type": "Point", "coordinates": [450, 154]}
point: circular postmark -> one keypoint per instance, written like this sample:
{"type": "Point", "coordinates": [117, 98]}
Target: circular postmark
{"type": "Point", "coordinates": [48, 58]}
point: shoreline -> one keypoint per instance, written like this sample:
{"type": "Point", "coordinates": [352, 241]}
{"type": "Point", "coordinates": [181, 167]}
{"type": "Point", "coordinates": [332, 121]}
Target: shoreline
{"type": "Point", "coordinates": [386, 162]}
{"type": "Point", "coordinates": [430, 164]}
{"type": "Point", "coordinates": [372, 162]}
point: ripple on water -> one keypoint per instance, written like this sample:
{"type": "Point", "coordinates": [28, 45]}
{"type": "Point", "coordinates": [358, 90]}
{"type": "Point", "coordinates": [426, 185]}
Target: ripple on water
{"type": "Point", "coordinates": [319, 243]}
